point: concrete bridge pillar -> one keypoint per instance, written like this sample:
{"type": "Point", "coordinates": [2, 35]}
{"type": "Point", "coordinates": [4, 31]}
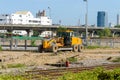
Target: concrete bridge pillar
{"type": "Point", "coordinates": [113, 34]}
{"type": "Point", "coordinates": [81, 34]}
{"type": "Point", "coordinates": [92, 34]}
{"type": "Point", "coordinates": [29, 32]}
{"type": "Point", "coordinates": [40, 31]}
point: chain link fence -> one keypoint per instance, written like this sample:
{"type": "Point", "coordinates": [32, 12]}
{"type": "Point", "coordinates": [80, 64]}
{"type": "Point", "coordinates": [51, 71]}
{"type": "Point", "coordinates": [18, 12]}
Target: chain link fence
{"type": "Point", "coordinates": [113, 43]}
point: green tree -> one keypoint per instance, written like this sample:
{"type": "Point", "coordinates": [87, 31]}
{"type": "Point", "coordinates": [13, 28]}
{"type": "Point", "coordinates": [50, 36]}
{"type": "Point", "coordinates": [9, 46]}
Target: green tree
{"type": "Point", "coordinates": [107, 32]}
{"type": "Point", "coordinates": [100, 33]}
{"type": "Point", "coordinates": [117, 26]}
{"type": "Point", "coordinates": [104, 33]}
{"type": "Point", "coordinates": [35, 33]}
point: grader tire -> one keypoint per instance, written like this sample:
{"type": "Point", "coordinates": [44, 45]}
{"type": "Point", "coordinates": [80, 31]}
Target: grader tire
{"type": "Point", "coordinates": [75, 48]}
{"type": "Point", "coordinates": [80, 48]}
{"type": "Point", "coordinates": [40, 48]}
{"type": "Point", "coordinates": [54, 48]}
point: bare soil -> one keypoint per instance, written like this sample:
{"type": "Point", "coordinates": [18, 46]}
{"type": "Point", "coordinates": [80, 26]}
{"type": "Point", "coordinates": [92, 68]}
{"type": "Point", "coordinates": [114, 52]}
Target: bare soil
{"type": "Point", "coordinates": [40, 59]}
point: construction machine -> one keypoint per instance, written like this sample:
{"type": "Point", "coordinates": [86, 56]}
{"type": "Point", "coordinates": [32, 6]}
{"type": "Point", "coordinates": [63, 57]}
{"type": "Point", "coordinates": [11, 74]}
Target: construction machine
{"type": "Point", "coordinates": [64, 40]}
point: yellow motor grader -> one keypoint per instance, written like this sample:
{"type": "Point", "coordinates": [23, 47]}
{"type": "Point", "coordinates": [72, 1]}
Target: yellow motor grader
{"type": "Point", "coordinates": [64, 40]}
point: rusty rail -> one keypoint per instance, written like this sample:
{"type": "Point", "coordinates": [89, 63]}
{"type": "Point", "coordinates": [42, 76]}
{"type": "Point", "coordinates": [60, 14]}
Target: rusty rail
{"type": "Point", "coordinates": [54, 73]}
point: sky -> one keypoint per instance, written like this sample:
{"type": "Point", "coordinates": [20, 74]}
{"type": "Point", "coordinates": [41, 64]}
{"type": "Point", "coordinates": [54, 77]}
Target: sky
{"type": "Point", "coordinates": [69, 12]}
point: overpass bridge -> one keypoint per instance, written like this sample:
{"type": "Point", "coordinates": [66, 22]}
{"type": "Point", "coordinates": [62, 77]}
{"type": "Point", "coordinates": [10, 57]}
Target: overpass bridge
{"type": "Point", "coordinates": [40, 28]}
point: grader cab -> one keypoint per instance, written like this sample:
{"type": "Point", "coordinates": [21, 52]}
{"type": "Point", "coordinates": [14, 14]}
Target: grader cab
{"type": "Point", "coordinates": [65, 40]}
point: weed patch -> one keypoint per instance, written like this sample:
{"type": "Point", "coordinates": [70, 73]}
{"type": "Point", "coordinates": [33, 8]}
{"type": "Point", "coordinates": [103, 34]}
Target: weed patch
{"type": "Point", "coordinates": [15, 65]}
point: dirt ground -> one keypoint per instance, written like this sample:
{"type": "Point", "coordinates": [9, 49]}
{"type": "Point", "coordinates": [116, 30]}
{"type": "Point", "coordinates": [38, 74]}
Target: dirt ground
{"type": "Point", "coordinates": [40, 59]}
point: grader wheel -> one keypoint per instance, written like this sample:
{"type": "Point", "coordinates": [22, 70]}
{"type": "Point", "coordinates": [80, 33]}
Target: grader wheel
{"type": "Point", "coordinates": [80, 48]}
{"type": "Point", "coordinates": [75, 48]}
{"type": "Point", "coordinates": [40, 48]}
{"type": "Point", "coordinates": [54, 48]}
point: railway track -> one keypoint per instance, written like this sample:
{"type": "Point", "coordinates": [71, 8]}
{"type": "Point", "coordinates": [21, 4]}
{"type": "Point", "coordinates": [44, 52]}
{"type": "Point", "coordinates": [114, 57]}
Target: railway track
{"type": "Point", "coordinates": [52, 74]}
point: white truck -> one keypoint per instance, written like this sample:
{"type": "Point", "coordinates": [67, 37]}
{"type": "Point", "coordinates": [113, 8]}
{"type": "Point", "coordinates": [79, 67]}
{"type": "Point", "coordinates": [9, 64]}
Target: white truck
{"type": "Point", "coordinates": [47, 34]}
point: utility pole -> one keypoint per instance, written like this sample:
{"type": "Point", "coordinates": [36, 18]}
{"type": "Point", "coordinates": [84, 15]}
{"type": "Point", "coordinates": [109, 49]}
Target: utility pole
{"type": "Point", "coordinates": [49, 12]}
{"type": "Point", "coordinates": [86, 22]}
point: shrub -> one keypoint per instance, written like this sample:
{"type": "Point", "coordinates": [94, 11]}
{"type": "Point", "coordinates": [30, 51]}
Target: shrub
{"type": "Point", "coordinates": [96, 74]}
{"type": "Point", "coordinates": [15, 65]}
{"type": "Point", "coordinates": [33, 43]}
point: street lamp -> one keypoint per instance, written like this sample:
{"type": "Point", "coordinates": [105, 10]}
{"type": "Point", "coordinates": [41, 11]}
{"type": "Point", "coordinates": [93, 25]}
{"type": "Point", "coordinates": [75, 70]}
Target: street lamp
{"type": "Point", "coordinates": [86, 22]}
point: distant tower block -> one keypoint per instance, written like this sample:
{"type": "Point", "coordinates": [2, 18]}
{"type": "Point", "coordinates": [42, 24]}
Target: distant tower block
{"type": "Point", "coordinates": [118, 19]}
{"type": "Point", "coordinates": [102, 19]}
{"type": "Point", "coordinates": [44, 13]}
{"type": "Point", "coordinates": [39, 14]}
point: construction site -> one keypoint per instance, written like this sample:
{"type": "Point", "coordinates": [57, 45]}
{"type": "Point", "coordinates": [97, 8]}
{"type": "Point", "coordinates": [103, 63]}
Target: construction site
{"type": "Point", "coordinates": [66, 52]}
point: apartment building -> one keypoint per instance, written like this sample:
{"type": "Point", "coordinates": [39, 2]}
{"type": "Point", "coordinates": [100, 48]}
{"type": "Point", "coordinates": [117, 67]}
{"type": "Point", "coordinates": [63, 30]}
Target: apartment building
{"type": "Point", "coordinates": [25, 17]}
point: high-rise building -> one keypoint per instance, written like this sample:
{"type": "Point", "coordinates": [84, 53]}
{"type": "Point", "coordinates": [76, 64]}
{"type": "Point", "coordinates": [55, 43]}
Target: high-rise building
{"type": "Point", "coordinates": [102, 19]}
{"type": "Point", "coordinates": [118, 19]}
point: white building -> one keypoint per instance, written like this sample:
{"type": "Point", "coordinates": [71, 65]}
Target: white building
{"type": "Point", "coordinates": [4, 19]}
{"type": "Point", "coordinates": [25, 17]}
{"type": "Point", "coordinates": [21, 17]}
{"type": "Point", "coordinates": [43, 18]}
